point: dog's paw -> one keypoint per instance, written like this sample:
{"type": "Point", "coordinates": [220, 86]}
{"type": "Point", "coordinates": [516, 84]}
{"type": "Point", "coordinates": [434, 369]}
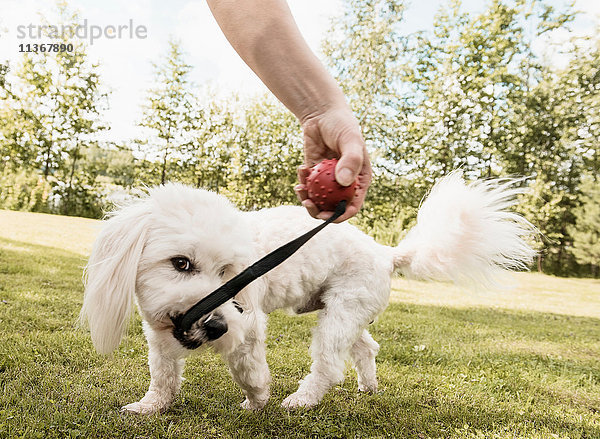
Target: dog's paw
{"type": "Point", "coordinates": [253, 405]}
{"type": "Point", "coordinates": [140, 408]}
{"type": "Point", "coordinates": [298, 400]}
{"type": "Point", "coordinates": [368, 387]}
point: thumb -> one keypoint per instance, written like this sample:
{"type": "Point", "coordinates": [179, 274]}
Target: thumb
{"type": "Point", "coordinates": [350, 163]}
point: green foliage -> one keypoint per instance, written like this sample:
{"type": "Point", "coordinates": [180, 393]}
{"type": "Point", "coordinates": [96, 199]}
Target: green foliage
{"type": "Point", "coordinates": [54, 106]}
{"type": "Point", "coordinates": [472, 94]}
{"type": "Point", "coordinates": [169, 114]}
{"type": "Point", "coordinates": [586, 231]}
{"type": "Point", "coordinates": [265, 156]}
{"type": "Point", "coordinates": [22, 190]}
{"type": "Point", "coordinates": [115, 164]}
{"type": "Point", "coordinates": [3, 71]}
{"type": "Point", "coordinates": [556, 141]}
{"type": "Point", "coordinates": [249, 151]}
{"type": "Point", "coordinates": [207, 162]}
{"type": "Point", "coordinates": [365, 51]}
{"type": "Point", "coordinates": [363, 48]}
{"type": "Point", "coordinates": [546, 207]}
{"type": "Point", "coordinates": [467, 74]}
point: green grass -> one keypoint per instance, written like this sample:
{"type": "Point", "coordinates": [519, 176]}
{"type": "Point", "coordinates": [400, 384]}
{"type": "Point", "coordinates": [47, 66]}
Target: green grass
{"type": "Point", "coordinates": [524, 363]}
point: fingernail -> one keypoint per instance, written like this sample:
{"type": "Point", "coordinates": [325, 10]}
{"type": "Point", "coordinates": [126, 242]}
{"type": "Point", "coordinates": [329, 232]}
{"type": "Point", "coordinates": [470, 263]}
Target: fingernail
{"type": "Point", "coordinates": [344, 176]}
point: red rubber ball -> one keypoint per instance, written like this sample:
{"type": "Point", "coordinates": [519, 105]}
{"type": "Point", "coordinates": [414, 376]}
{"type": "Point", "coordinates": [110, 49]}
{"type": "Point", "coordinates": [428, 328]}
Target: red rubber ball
{"type": "Point", "coordinates": [324, 190]}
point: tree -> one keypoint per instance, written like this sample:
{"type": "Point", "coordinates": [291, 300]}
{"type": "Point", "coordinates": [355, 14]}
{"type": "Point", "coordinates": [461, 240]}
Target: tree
{"type": "Point", "coordinates": [586, 231]}
{"type": "Point", "coordinates": [84, 102]}
{"type": "Point", "coordinates": [3, 72]}
{"type": "Point", "coordinates": [169, 115]}
{"type": "Point", "coordinates": [55, 104]}
{"type": "Point", "coordinates": [363, 49]}
{"type": "Point", "coordinates": [6, 120]}
{"type": "Point", "coordinates": [365, 52]}
{"type": "Point", "coordinates": [265, 156]}
{"type": "Point", "coordinates": [208, 156]}
{"type": "Point", "coordinates": [557, 128]}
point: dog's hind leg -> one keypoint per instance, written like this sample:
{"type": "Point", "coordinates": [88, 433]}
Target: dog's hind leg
{"type": "Point", "coordinates": [363, 356]}
{"type": "Point", "coordinates": [339, 328]}
{"type": "Point", "coordinates": [249, 368]}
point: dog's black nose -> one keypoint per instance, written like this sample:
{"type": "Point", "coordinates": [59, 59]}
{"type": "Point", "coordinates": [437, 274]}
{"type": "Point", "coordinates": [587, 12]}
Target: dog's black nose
{"type": "Point", "coordinates": [214, 327]}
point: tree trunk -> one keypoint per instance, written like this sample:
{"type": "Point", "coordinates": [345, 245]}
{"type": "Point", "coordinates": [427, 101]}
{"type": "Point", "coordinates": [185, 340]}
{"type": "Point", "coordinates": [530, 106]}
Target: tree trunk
{"type": "Point", "coordinates": [67, 204]}
{"type": "Point", "coordinates": [539, 263]}
{"type": "Point", "coordinates": [163, 173]}
{"type": "Point", "coordinates": [50, 143]}
{"type": "Point", "coordinates": [47, 162]}
{"type": "Point", "coordinates": [559, 257]}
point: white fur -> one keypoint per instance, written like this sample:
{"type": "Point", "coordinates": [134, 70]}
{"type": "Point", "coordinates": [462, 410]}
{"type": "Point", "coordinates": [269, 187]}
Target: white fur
{"type": "Point", "coordinates": [463, 233]}
{"type": "Point", "coordinates": [466, 234]}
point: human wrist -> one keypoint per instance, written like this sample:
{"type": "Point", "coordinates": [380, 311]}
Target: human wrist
{"type": "Point", "coordinates": [319, 101]}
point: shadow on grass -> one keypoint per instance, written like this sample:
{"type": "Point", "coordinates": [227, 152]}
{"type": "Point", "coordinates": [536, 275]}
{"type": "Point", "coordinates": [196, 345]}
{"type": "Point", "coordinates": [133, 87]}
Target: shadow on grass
{"type": "Point", "coordinates": [44, 265]}
{"type": "Point", "coordinates": [443, 372]}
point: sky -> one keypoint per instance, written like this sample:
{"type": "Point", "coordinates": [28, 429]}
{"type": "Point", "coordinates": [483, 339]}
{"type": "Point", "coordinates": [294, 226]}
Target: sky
{"type": "Point", "coordinates": [126, 63]}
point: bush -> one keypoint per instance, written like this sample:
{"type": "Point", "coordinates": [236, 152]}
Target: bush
{"type": "Point", "coordinates": [24, 190]}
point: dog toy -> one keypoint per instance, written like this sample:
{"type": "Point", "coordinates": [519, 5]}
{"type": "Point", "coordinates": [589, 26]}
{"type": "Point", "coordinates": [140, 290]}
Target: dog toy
{"type": "Point", "coordinates": [323, 188]}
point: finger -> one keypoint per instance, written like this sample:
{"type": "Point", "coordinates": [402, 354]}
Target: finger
{"type": "Point", "coordinates": [303, 173]}
{"type": "Point", "coordinates": [351, 210]}
{"type": "Point", "coordinates": [324, 215]}
{"type": "Point", "coordinates": [362, 186]}
{"type": "Point", "coordinates": [354, 206]}
{"type": "Point", "coordinates": [301, 192]}
{"type": "Point", "coordinates": [311, 207]}
{"type": "Point", "coordinates": [350, 164]}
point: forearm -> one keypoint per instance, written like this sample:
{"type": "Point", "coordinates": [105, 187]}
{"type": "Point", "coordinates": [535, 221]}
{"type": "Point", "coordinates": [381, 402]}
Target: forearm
{"type": "Point", "coordinates": [265, 35]}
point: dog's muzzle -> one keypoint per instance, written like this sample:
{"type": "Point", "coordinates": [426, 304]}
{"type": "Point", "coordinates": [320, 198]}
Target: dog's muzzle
{"type": "Point", "coordinates": [202, 331]}
{"type": "Point", "coordinates": [214, 326]}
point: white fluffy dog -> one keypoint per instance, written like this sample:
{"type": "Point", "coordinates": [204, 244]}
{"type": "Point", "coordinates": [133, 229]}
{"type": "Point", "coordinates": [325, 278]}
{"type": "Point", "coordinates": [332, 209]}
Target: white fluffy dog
{"type": "Point", "coordinates": [170, 249]}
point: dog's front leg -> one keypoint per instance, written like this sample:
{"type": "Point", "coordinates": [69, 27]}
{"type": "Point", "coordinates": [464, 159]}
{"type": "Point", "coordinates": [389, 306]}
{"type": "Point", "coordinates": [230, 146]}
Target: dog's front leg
{"type": "Point", "coordinates": [166, 361]}
{"type": "Point", "coordinates": [249, 368]}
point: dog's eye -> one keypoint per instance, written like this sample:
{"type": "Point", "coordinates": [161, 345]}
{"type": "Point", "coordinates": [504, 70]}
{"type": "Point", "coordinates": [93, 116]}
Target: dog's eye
{"type": "Point", "coordinates": [182, 264]}
{"type": "Point", "coordinates": [222, 270]}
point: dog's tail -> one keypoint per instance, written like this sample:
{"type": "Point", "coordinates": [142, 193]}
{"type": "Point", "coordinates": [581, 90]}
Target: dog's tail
{"type": "Point", "coordinates": [466, 234]}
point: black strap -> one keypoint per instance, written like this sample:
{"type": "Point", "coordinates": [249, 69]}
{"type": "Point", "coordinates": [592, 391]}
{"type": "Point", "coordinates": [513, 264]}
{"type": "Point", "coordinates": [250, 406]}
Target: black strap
{"type": "Point", "coordinates": [227, 291]}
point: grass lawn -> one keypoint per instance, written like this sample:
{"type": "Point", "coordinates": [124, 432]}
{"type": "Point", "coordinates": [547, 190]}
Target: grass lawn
{"type": "Point", "coordinates": [453, 364]}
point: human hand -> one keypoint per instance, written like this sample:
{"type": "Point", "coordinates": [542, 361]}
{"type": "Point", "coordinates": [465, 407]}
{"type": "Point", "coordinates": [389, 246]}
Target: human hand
{"type": "Point", "coordinates": [335, 134]}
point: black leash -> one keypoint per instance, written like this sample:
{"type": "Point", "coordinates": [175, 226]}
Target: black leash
{"type": "Point", "coordinates": [183, 323]}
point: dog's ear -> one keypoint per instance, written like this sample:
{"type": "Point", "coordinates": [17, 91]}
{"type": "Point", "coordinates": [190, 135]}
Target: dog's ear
{"type": "Point", "coordinates": [111, 276]}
